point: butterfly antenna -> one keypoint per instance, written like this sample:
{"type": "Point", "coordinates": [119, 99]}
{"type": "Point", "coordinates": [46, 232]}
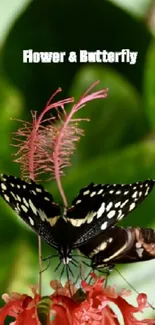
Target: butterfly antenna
{"type": "Point", "coordinates": [130, 285]}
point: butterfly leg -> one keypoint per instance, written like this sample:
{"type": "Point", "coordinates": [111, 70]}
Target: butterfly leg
{"type": "Point", "coordinates": [47, 266]}
{"type": "Point", "coordinates": [48, 259]}
{"type": "Point", "coordinates": [107, 269]}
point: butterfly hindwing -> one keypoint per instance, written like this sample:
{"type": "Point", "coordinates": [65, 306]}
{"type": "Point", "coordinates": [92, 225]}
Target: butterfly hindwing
{"type": "Point", "coordinates": [32, 203]}
{"type": "Point", "coordinates": [98, 207]}
{"type": "Point", "coordinates": [121, 245]}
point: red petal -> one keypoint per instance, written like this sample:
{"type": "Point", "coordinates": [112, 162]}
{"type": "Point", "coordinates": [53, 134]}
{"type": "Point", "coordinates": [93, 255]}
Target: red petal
{"type": "Point", "coordinates": [108, 317]}
{"type": "Point", "coordinates": [61, 316]}
{"type": "Point", "coordinates": [142, 301]}
{"type": "Point", "coordinates": [128, 310]}
{"type": "Point", "coordinates": [10, 309]}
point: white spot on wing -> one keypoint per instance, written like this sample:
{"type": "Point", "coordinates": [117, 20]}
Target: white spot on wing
{"type": "Point", "coordinates": [42, 215]}
{"type": "Point", "coordinates": [34, 192]}
{"type": "Point", "coordinates": [109, 206]}
{"type": "Point", "coordinates": [100, 191]}
{"type": "Point", "coordinates": [102, 246]}
{"type": "Point", "coordinates": [18, 198]}
{"type": "Point", "coordinates": [101, 210]}
{"type": "Point", "coordinates": [25, 202]}
{"type": "Point", "coordinates": [86, 192]}
{"type": "Point", "coordinates": [147, 191]}
{"type": "Point", "coordinates": [6, 197]}
{"type": "Point", "coordinates": [78, 201]}
{"type": "Point", "coordinates": [124, 203]}
{"type": "Point", "coordinates": [3, 178]}
{"type": "Point", "coordinates": [138, 245]}
{"type": "Point", "coordinates": [117, 204]}
{"type": "Point", "coordinates": [38, 189]}
{"type": "Point", "coordinates": [3, 186]}
{"type": "Point", "coordinates": [90, 216]}
{"type": "Point", "coordinates": [135, 194]}
{"type": "Point", "coordinates": [120, 215]}
{"type": "Point", "coordinates": [32, 207]}
{"type": "Point", "coordinates": [24, 208]}
{"type": "Point", "coordinates": [92, 194]}
{"type": "Point", "coordinates": [111, 214]}
{"type": "Point", "coordinates": [77, 222]}
{"type": "Point", "coordinates": [17, 208]}
{"type": "Point", "coordinates": [14, 196]}
{"type": "Point", "coordinates": [99, 248]}
{"type": "Point", "coordinates": [104, 225]}
{"type": "Point", "coordinates": [31, 221]}
{"type": "Point", "coordinates": [140, 252]}
{"type": "Point", "coordinates": [46, 198]}
{"type": "Point", "coordinates": [132, 206]}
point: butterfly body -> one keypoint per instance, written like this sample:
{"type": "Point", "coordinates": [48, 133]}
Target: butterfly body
{"type": "Point", "coordinates": [87, 224]}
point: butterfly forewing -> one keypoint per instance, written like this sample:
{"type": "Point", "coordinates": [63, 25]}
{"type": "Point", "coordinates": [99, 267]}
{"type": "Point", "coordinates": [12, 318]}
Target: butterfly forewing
{"type": "Point", "coordinates": [120, 245]}
{"type": "Point", "coordinates": [98, 207]}
{"type": "Point", "coordinates": [33, 204]}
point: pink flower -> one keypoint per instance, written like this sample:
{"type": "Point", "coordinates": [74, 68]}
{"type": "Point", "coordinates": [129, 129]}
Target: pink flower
{"type": "Point", "coordinates": [47, 144]}
{"type": "Point", "coordinates": [87, 306]}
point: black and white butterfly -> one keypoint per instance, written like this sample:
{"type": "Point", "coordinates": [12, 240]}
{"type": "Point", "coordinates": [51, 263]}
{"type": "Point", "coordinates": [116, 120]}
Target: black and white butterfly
{"type": "Point", "coordinates": [88, 224]}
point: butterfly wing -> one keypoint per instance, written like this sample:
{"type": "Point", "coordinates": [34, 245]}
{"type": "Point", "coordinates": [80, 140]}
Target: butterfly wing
{"type": "Point", "coordinates": [121, 245]}
{"type": "Point", "coordinates": [98, 207]}
{"type": "Point", "coordinates": [33, 204]}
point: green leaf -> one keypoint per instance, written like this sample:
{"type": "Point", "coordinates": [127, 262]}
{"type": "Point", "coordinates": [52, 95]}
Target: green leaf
{"type": "Point", "coordinates": [11, 103]}
{"type": "Point", "coordinates": [149, 85]}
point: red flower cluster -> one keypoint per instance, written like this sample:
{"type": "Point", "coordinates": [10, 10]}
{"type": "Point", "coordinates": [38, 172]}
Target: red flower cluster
{"type": "Point", "coordinates": [88, 306]}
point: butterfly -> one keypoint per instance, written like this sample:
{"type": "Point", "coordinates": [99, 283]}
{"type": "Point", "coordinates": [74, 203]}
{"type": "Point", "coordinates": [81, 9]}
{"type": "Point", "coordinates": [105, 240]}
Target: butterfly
{"type": "Point", "coordinates": [89, 224]}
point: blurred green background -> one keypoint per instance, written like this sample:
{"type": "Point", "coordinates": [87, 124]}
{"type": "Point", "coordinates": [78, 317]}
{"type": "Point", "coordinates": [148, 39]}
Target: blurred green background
{"type": "Point", "coordinates": [119, 146]}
